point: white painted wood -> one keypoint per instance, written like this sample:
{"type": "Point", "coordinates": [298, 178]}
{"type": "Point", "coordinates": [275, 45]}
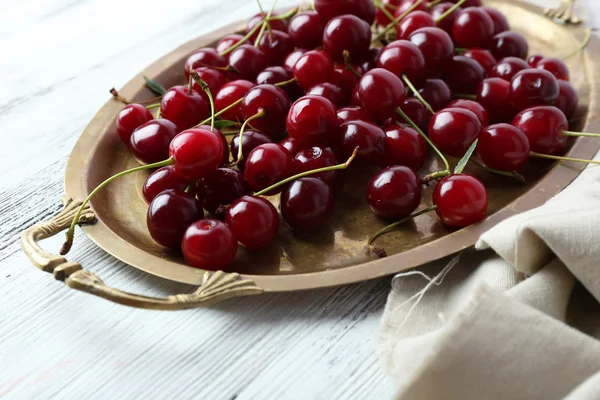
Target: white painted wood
{"type": "Point", "coordinates": [58, 60]}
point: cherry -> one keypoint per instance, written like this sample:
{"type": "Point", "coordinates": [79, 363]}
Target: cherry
{"type": "Point", "coordinates": [306, 204]}
{"type": "Point", "coordinates": [390, 5]}
{"type": "Point", "coordinates": [464, 74]}
{"type": "Point", "coordinates": [500, 21]}
{"type": "Point", "coordinates": [312, 68]}
{"type": "Point", "coordinates": [534, 60]}
{"type": "Point", "coordinates": [131, 117]}
{"type": "Point", "coordinates": [508, 67]}
{"type": "Point", "coordinates": [163, 179]}
{"type": "Point", "coordinates": [437, 93]}
{"type": "Point", "coordinates": [405, 146]}
{"type": "Point", "coordinates": [509, 44]}
{"type": "Point", "coordinates": [276, 25]}
{"type": "Point", "coordinates": [492, 93]}
{"type": "Point", "coordinates": [225, 159]}
{"type": "Point", "coordinates": [352, 113]}
{"type": "Point", "coordinates": [150, 142]}
{"type": "Point", "coordinates": [363, 9]}
{"type": "Point", "coordinates": [275, 104]}
{"type": "Point", "coordinates": [531, 87]}
{"type": "Point", "coordinates": [380, 92]}
{"type": "Point", "coordinates": [312, 120]}
{"type": "Point", "coordinates": [184, 108]}
{"type": "Point", "coordinates": [222, 187]}
{"type": "Point", "coordinates": [394, 192]}
{"type": "Point", "coordinates": [346, 79]}
{"type": "Point", "coordinates": [473, 106]}
{"type": "Point", "coordinates": [406, 4]}
{"type": "Point", "coordinates": [227, 41]}
{"type": "Point", "coordinates": [196, 153]}
{"type": "Point", "coordinates": [416, 111]}
{"type": "Point", "coordinates": [275, 45]}
{"type": "Point", "coordinates": [331, 92]}
{"type": "Point", "coordinates": [453, 130]}
{"type": "Point", "coordinates": [209, 244]}
{"type": "Point", "coordinates": [446, 23]}
{"type": "Point", "coordinates": [370, 139]}
{"type": "Point", "coordinates": [469, 3]}
{"type": "Point", "coordinates": [544, 126]}
{"type": "Point", "coordinates": [292, 58]}
{"type": "Point", "coordinates": [370, 60]}
{"type": "Point", "coordinates": [413, 21]}
{"type": "Point", "coordinates": [254, 221]}
{"type": "Point", "coordinates": [169, 215]}
{"type": "Point", "coordinates": [555, 66]}
{"type": "Point", "coordinates": [250, 141]}
{"type": "Point", "coordinates": [315, 157]}
{"type": "Point", "coordinates": [273, 75]}
{"type": "Point", "coordinates": [205, 57]}
{"type": "Point", "coordinates": [461, 200]}
{"type": "Point", "coordinates": [306, 29]}
{"type": "Point", "coordinates": [213, 78]}
{"type": "Point", "coordinates": [266, 165]}
{"type": "Point", "coordinates": [229, 94]}
{"type": "Point", "coordinates": [292, 145]}
{"type": "Point", "coordinates": [483, 57]}
{"type": "Point", "coordinates": [436, 46]}
{"type": "Point", "coordinates": [473, 28]}
{"type": "Point", "coordinates": [567, 99]}
{"type": "Point", "coordinates": [503, 147]}
{"type": "Point", "coordinates": [247, 61]}
{"type": "Point", "coordinates": [347, 32]}
{"type": "Point", "coordinates": [402, 57]}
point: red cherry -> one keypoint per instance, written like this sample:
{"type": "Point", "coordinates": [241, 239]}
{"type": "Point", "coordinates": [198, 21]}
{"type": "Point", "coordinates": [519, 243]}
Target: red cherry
{"type": "Point", "coordinates": [196, 153]}
{"type": "Point", "coordinates": [276, 24]}
{"type": "Point", "coordinates": [464, 74]}
{"type": "Point", "coordinates": [163, 179]}
{"type": "Point", "coordinates": [292, 58]}
{"type": "Point", "coordinates": [567, 99]}
{"type": "Point", "coordinates": [250, 141]}
{"type": "Point", "coordinates": [403, 57]}
{"type": "Point", "coordinates": [331, 92]}
{"type": "Point", "coordinates": [306, 204]}
{"type": "Point", "coordinates": [453, 130]}
{"type": "Point", "coordinates": [406, 4]}
{"type": "Point", "coordinates": [315, 157]}
{"type": "Point", "coordinates": [508, 67]}
{"type": "Point", "coordinates": [184, 108]}
{"type": "Point", "coordinates": [534, 60]}
{"type": "Point", "coordinates": [473, 28]}
{"type": "Point", "coordinates": [492, 93]}
{"type": "Point", "coordinates": [503, 147]}
{"type": "Point", "coordinates": [370, 60]}
{"type": "Point", "coordinates": [555, 66]}
{"type": "Point", "coordinates": [205, 57]}
{"type": "Point", "coordinates": [150, 142]}
{"type": "Point", "coordinates": [222, 187]}
{"type": "Point", "coordinates": [273, 75]}
{"type": "Point", "coordinates": [227, 41]}
{"type": "Point", "coordinates": [413, 21]}
{"type": "Point", "coordinates": [394, 192]}
{"type": "Point", "coordinates": [473, 106]}
{"type": "Point", "coordinates": [531, 87]}
{"type": "Point", "coordinates": [380, 92]}
{"type": "Point", "coordinates": [209, 244]}
{"type": "Point", "coordinates": [416, 111]}
{"type": "Point", "coordinates": [247, 61]}
{"type": "Point", "coordinates": [292, 145]}
{"type": "Point", "coordinates": [225, 159]}
{"type": "Point", "coordinates": [266, 165]}
{"type": "Point", "coordinates": [390, 5]}
{"type": "Point", "coordinates": [254, 221]}
{"type": "Point", "coordinates": [229, 94]}
{"type": "Point", "coordinates": [446, 24]}
{"type": "Point", "coordinates": [363, 9]}
{"type": "Point", "coordinates": [347, 32]}
{"type": "Point", "coordinates": [312, 120]}
{"type": "Point", "coordinates": [436, 46]}
{"type": "Point", "coordinates": [275, 46]}
{"type": "Point", "coordinates": [544, 126]}
{"type": "Point", "coordinates": [131, 117]}
{"type": "Point", "coordinates": [370, 139]}
{"type": "Point", "coordinates": [509, 44]}
{"type": "Point", "coordinates": [306, 29]}
{"type": "Point", "coordinates": [275, 104]}
{"type": "Point", "coordinates": [405, 146]}
{"type": "Point", "coordinates": [312, 68]}
{"type": "Point", "coordinates": [483, 57]}
{"type": "Point", "coordinates": [345, 79]}
{"type": "Point", "coordinates": [469, 3]}
{"type": "Point", "coordinates": [437, 93]}
{"type": "Point", "coordinates": [169, 215]}
{"type": "Point", "coordinates": [213, 78]}
{"type": "Point", "coordinates": [500, 21]}
{"type": "Point", "coordinates": [352, 113]}
{"type": "Point", "coordinates": [461, 200]}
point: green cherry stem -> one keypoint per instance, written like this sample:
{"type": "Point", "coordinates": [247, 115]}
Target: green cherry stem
{"type": "Point", "coordinates": [417, 94]}
{"type": "Point", "coordinates": [261, 113]}
{"type": "Point", "coordinates": [242, 40]}
{"type": "Point", "coordinates": [348, 64]}
{"type": "Point", "coordinates": [307, 173]}
{"type": "Point", "coordinates": [384, 10]}
{"type": "Point", "coordinates": [560, 158]}
{"type": "Point", "coordinates": [287, 15]}
{"type": "Point", "coordinates": [512, 174]}
{"type": "Point", "coordinates": [576, 134]}
{"type": "Point", "coordinates": [433, 3]}
{"type": "Point", "coordinates": [391, 227]}
{"type": "Point", "coordinates": [194, 75]}
{"type": "Point", "coordinates": [465, 96]}
{"type": "Point", "coordinates": [70, 233]}
{"type": "Point", "coordinates": [460, 50]}
{"type": "Point", "coordinates": [150, 106]}
{"type": "Point", "coordinates": [395, 21]}
{"type": "Point", "coordinates": [586, 40]}
{"type": "Point", "coordinates": [264, 25]}
{"type": "Point", "coordinates": [449, 11]}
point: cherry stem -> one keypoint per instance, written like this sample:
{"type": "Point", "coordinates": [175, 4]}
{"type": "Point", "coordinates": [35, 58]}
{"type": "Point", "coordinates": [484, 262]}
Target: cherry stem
{"type": "Point", "coordinates": [417, 94]}
{"type": "Point", "coordinates": [395, 21]}
{"type": "Point", "coordinates": [190, 81]}
{"type": "Point", "coordinates": [122, 99]}
{"type": "Point", "coordinates": [576, 134]}
{"type": "Point", "coordinates": [280, 84]}
{"type": "Point", "coordinates": [287, 15]}
{"type": "Point", "coordinates": [560, 158]}
{"type": "Point", "coordinates": [583, 45]}
{"type": "Point", "coordinates": [150, 106]}
{"type": "Point", "coordinates": [424, 136]}
{"type": "Point", "coordinates": [190, 186]}
{"type": "Point", "coordinates": [242, 40]}
{"type": "Point", "coordinates": [465, 96]}
{"type": "Point", "coordinates": [194, 75]}
{"type": "Point", "coordinates": [449, 11]}
{"type": "Point", "coordinates": [117, 96]}
{"type": "Point", "coordinates": [512, 174]}
{"type": "Point", "coordinates": [434, 176]}
{"type": "Point", "coordinates": [307, 173]}
{"type": "Point", "coordinates": [70, 233]}
{"type": "Point", "coordinates": [229, 107]}
{"type": "Point", "coordinates": [397, 223]}
{"type": "Point", "coordinates": [157, 116]}
{"type": "Point", "coordinates": [261, 113]}
{"type": "Point", "coordinates": [433, 3]}
{"type": "Point", "coordinates": [348, 64]}
{"type": "Point", "coordinates": [383, 8]}
{"type": "Point", "coordinates": [265, 25]}
{"type": "Point", "coordinates": [460, 50]}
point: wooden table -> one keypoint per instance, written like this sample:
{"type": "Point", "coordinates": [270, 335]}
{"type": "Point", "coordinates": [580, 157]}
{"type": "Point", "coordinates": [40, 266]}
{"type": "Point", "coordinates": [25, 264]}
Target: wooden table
{"type": "Point", "coordinates": [59, 58]}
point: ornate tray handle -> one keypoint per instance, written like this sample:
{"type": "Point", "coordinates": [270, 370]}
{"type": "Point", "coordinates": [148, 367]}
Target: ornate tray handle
{"type": "Point", "coordinates": [215, 286]}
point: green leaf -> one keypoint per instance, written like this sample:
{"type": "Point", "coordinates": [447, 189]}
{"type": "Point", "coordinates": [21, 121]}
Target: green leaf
{"type": "Point", "coordinates": [223, 123]}
{"type": "Point", "coordinates": [465, 159]}
{"type": "Point", "coordinates": [154, 86]}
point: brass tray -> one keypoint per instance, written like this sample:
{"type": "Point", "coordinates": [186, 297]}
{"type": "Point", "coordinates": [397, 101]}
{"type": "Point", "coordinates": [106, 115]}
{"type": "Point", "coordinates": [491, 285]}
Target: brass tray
{"type": "Point", "coordinates": [335, 256]}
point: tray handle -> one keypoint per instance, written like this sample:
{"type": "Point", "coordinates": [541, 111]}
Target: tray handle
{"type": "Point", "coordinates": [216, 286]}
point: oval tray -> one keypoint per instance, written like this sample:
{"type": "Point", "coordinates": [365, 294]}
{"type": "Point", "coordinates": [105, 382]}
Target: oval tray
{"type": "Point", "coordinates": [334, 256]}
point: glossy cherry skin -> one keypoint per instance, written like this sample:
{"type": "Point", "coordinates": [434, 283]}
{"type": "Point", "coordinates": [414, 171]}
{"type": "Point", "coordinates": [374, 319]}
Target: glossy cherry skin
{"type": "Point", "coordinates": [534, 60]}
{"type": "Point", "coordinates": [254, 221]}
{"type": "Point", "coordinates": [331, 92]}
{"type": "Point", "coordinates": [463, 74]}
{"type": "Point", "coordinates": [306, 204]}
{"type": "Point", "coordinates": [370, 139]}
{"type": "Point", "coordinates": [306, 29]}
{"type": "Point", "coordinates": [363, 9]}
{"type": "Point", "coordinates": [312, 120]}
{"type": "Point", "coordinates": [227, 41]}
{"type": "Point", "coordinates": [492, 94]}
{"type": "Point", "coordinates": [316, 157]}
{"type": "Point", "coordinates": [292, 145]}
{"type": "Point", "coordinates": [213, 78]}
{"type": "Point", "coordinates": [509, 44]}
{"type": "Point", "coordinates": [567, 99]}
{"type": "Point", "coordinates": [209, 244]}
{"type": "Point", "coordinates": [248, 61]}
{"type": "Point", "coordinates": [544, 126]}
{"type": "Point", "coordinates": [473, 28]}
{"type": "Point", "coordinates": [380, 92]}
{"type": "Point", "coordinates": [225, 159]}
{"type": "Point", "coordinates": [416, 111]}
{"type": "Point", "coordinates": [205, 57]}
{"type": "Point", "coordinates": [499, 19]}
{"type": "Point", "coordinates": [503, 147]}
{"type": "Point", "coordinates": [473, 106]}
{"type": "Point", "coordinates": [292, 58]}
{"type": "Point", "coordinates": [131, 117]}
{"type": "Point", "coordinates": [402, 57]}
{"type": "Point", "coordinates": [347, 32]}
{"type": "Point", "coordinates": [405, 147]}
{"type": "Point", "coordinates": [229, 94]}
{"type": "Point", "coordinates": [461, 200]}
{"type": "Point", "coordinates": [394, 192]}
{"type": "Point", "coordinates": [532, 87]}
{"type": "Point", "coordinates": [413, 21]}
{"type": "Point", "coordinates": [312, 68]}
{"type": "Point", "coordinates": [406, 4]}
{"type": "Point", "coordinates": [196, 153]}
{"type": "Point", "coordinates": [150, 142]}
{"type": "Point", "coordinates": [345, 79]}
{"type": "Point", "coordinates": [163, 179]}
{"type": "Point", "coordinates": [555, 66]}
{"type": "Point", "coordinates": [277, 74]}
{"type": "Point", "coordinates": [352, 113]}
{"type": "Point", "coordinates": [169, 215]}
{"type": "Point", "coordinates": [275, 104]}
{"type": "Point", "coordinates": [483, 57]}
{"type": "Point", "coordinates": [222, 187]}
{"type": "Point", "coordinates": [277, 25]}
{"type": "Point", "coordinates": [453, 130]}
{"type": "Point", "coordinates": [437, 93]}
{"type": "Point", "coordinates": [436, 46]}
{"type": "Point", "coordinates": [446, 23]}
{"type": "Point", "coordinates": [266, 165]}
{"type": "Point", "coordinates": [184, 108]}
{"type": "Point", "coordinates": [276, 46]}
{"type": "Point", "coordinates": [250, 141]}
{"type": "Point", "coordinates": [508, 67]}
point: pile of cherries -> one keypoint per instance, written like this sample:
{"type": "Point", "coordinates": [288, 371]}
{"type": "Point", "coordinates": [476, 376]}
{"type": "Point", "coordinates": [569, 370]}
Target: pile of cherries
{"type": "Point", "coordinates": [376, 83]}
